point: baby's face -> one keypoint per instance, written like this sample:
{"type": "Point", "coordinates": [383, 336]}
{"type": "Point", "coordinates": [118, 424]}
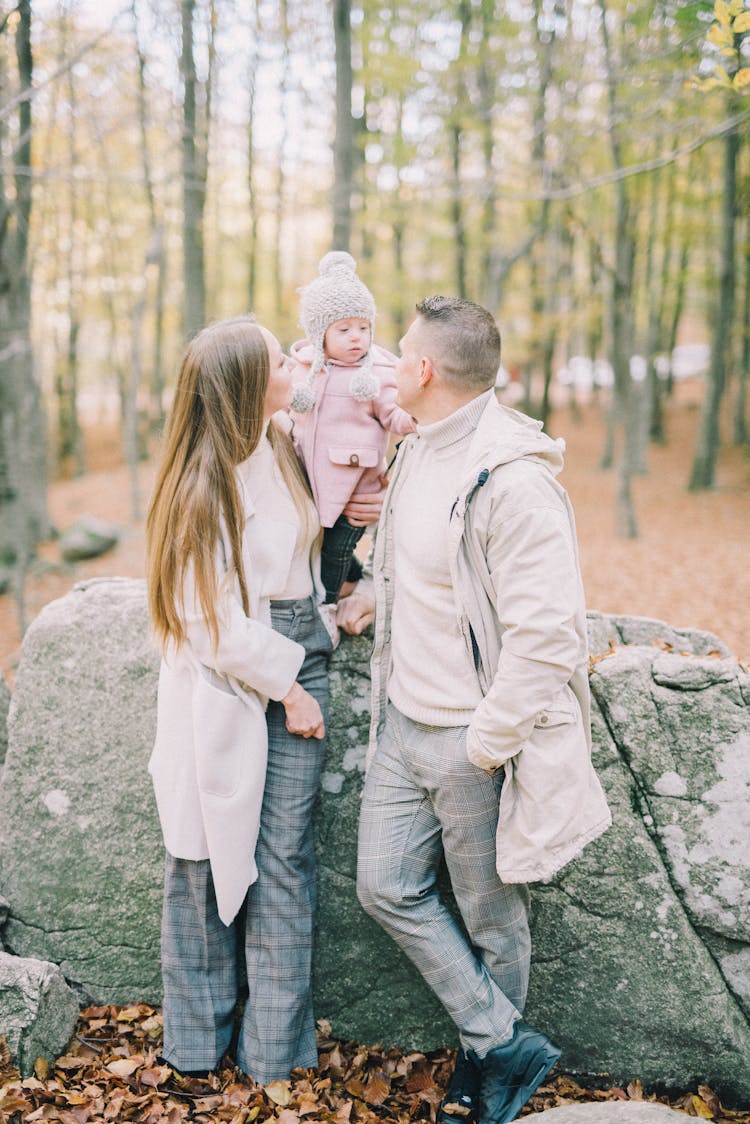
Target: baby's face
{"type": "Point", "coordinates": [347, 340]}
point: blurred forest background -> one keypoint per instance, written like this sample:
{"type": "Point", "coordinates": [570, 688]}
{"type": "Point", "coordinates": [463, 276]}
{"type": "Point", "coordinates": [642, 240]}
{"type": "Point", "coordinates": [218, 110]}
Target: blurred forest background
{"type": "Point", "coordinates": [581, 167]}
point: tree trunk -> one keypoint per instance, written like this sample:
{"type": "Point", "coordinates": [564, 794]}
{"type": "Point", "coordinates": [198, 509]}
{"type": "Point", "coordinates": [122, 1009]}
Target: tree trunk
{"type": "Point", "coordinates": [704, 462]}
{"type": "Point", "coordinates": [455, 132]}
{"type": "Point", "coordinates": [457, 210]}
{"type": "Point", "coordinates": [278, 273]}
{"type": "Point", "coordinates": [541, 266]}
{"type": "Point", "coordinates": [666, 283]}
{"type": "Point", "coordinates": [343, 144]}
{"type": "Point", "coordinates": [193, 186]}
{"type": "Point", "coordinates": [252, 262]}
{"type": "Point", "coordinates": [486, 81]}
{"type": "Point", "coordinates": [741, 434]}
{"type": "Point", "coordinates": [69, 437]}
{"type": "Point", "coordinates": [621, 316]}
{"type": "Point", "coordinates": [155, 252]}
{"type": "Point", "coordinates": [23, 461]}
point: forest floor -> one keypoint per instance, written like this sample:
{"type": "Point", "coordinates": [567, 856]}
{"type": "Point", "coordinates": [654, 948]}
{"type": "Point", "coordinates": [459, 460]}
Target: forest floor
{"type": "Point", "coordinates": [112, 1071]}
{"type": "Point", "coordinates": [689, 566]}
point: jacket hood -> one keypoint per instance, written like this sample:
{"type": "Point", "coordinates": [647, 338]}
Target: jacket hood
{"type": "Point", "coordinates": [505, 435]}
{"type": "Point", "coordinates": [303, 352]}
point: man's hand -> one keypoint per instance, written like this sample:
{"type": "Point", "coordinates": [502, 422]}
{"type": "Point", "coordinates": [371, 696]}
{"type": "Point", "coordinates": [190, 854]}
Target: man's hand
{"type": "Point", "coordinates": [355, 612]}
{"type": "Point", "coordinates": [364, 508]}
{"type": "Point", "coordinates": [303, 714]}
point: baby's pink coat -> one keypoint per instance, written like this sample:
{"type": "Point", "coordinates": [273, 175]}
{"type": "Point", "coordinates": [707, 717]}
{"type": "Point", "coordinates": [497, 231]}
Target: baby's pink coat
{"type": "Point", "coordinates": [341, 441]}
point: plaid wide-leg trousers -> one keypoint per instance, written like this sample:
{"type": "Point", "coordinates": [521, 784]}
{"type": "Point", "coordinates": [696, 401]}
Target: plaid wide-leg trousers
{"type": "Point", "coordinates": [275, 928]}
{"type": "Point", "coordinates": [423, 798]}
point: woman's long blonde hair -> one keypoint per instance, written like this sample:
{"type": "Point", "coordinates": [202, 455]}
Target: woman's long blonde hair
{"type": "Point", "coordinates": [215, 423]}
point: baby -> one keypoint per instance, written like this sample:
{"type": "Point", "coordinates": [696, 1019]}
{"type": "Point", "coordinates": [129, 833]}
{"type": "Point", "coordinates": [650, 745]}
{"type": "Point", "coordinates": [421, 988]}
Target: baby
{"type": "Point", "coordinates": [343, 406]}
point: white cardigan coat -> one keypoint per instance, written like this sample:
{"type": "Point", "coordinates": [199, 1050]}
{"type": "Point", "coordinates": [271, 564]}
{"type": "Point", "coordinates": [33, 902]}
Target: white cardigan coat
{"type": "Point", "coordinates": [208, 764]}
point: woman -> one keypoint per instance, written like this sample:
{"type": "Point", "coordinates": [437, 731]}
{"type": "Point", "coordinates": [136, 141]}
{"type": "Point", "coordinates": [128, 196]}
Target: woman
{"type": "Point", "coordinates": [233, 577]}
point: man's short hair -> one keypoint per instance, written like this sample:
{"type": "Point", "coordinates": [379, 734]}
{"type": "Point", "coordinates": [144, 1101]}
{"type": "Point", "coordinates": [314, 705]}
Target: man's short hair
{"type": "Point", "coordinates": [465, 339]}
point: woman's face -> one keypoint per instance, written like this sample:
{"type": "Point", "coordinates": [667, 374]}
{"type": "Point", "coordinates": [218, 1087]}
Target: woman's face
{"type": "Point", "coordinates": [279, 389]}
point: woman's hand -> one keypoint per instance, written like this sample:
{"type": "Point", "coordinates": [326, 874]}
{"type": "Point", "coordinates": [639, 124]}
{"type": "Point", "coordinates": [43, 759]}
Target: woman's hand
{"type": "Point", "coordinates": [364, 508]}
{"type": "Point", "coordinates": [303, 714]}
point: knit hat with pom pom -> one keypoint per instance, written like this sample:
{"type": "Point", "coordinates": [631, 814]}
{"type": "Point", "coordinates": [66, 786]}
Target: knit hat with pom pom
{"type": "Point", "coordinates": [336, 294]}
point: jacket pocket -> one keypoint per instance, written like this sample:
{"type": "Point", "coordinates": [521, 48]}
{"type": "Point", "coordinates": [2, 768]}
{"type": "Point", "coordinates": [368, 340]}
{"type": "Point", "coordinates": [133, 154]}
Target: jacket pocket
{"type": "Point", "coordinates": [354, 456]}
{"type": "Point", "coordinates": [219, 734]}
{"type": "Point", "coordinates": [560, 712]}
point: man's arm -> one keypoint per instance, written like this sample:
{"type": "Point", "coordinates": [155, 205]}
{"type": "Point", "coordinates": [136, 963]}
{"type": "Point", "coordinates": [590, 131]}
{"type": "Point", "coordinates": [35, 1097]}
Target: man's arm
{"type": "Point", "coordinates": [539, 602]}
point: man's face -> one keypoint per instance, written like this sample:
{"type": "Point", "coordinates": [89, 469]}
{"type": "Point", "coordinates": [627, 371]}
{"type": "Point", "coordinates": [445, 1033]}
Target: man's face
{"type": "Point", "coordinates": [408, 368]}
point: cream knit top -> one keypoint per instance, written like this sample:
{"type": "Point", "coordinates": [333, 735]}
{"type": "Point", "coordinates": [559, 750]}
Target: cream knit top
{"type": "Point", "coordinates": [271, 497]}
{"type": "Point", "coordinates": [432, 677]}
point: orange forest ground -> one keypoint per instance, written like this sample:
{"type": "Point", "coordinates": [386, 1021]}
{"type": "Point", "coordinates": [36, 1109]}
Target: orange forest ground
{"type": "Point", "coordinates": [690, 565]}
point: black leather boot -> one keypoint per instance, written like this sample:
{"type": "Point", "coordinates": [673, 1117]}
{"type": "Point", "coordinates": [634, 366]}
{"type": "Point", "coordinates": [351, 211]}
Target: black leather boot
{"type": "Point", "coordinates": [512, 1073]}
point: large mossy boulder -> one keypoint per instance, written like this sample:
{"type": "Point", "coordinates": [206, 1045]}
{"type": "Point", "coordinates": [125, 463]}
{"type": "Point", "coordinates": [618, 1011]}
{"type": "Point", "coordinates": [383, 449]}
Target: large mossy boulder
{"type": "Point", "coordinates": [641, 946]}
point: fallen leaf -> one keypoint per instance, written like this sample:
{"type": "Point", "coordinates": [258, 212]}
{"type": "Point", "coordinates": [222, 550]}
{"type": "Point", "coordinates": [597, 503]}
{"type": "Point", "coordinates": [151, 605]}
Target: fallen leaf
{"type": "Point", "coordinates": [288, 1116]}
{"type": "Point", "coordinates": [155, 1076]}
{"type": "Point", "coordinates": [125, 1067]}
{"type": "Point", "coordinates": [95, 1013]}
{"type": "Point", "coordinates": [343, 1114]}
{"type": "Point", "coordinates": [71, 1061]}
{"type": "Point", "coordinates": [41, 1069]}
{"type": "Point", "coordinates": [635, 1091]}
{"type": "Point", "coordinates": [13, 1102]}
{"type": "Point", "coordinates": [711, 1099]}
{"type": "Point", "coordinates": [112, 1110]}
{"type": "Point", "coordinates": [280, 1092]}
{"type": "Point", "coordinates": [420, 1078]}
{"type": "Point", "coordinates": [700, 1108]}
{"type": "Point", "coordinates": [129, 1014]}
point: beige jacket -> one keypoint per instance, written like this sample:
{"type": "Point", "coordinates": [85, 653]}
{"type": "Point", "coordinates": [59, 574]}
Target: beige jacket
{"type": "Point", "coordinates": [520, 606]}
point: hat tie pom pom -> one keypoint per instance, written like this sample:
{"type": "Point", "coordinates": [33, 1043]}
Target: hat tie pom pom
{"type": "Point", "coordinates": [303, 398]}
{"type": "Point", "coordinates": [364, 385]}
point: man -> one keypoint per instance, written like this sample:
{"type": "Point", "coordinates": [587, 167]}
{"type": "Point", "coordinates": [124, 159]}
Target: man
{"type": "Point", "coordinates": [480, 746]}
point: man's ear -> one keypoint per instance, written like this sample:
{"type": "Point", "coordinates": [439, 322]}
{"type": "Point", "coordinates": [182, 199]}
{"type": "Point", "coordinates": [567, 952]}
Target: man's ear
{"type": "Point", "coordinates": [426, 372]}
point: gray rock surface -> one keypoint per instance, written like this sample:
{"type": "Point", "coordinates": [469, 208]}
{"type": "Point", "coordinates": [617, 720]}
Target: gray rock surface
{"type": "Point", "coordinates": [87, 538]}
{"type": "Point", "coordinates": [640, 964]}
{"type": "Point", "coordinates": [38, 1010]}
{"type": "Point", "coordinates": [4, 706]}
{"type": "Point", "coordinates": [611, 630]}
{"type": "Point", "coordinates": [633, 1112]}
{"type": "Point", "coordinates": [80, 846]}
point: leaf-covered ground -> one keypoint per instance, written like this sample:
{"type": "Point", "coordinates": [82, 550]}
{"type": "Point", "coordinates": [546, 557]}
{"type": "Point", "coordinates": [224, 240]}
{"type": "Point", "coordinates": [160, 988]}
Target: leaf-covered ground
{"type": "Point", "coordinates": [111, 1072]}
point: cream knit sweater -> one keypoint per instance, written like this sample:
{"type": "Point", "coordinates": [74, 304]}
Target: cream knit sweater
{"type": "Point", "coordinates": [271, 498]}
{"type": "Point", "coordinates": [432, 679]}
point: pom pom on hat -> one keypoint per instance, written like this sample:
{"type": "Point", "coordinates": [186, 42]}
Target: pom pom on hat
{"type": "Point", "coordinates": [336, 294]}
